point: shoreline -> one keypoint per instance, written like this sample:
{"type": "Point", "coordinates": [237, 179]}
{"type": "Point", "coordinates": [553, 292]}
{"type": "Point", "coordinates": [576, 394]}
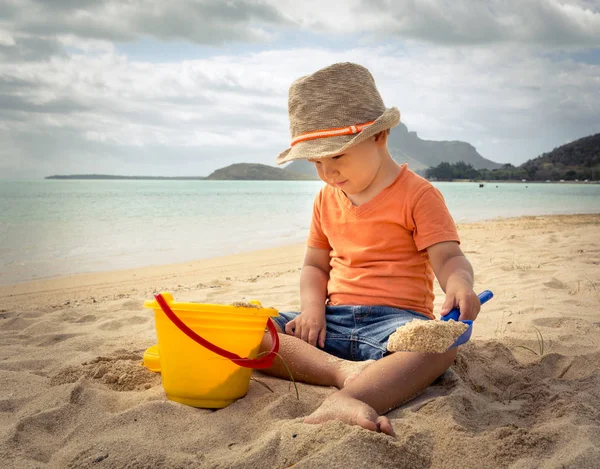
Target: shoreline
{"type": "Point", "coordinates": [199, 270]}
{"type": "Point", "coordinates": [40, 247]}
{"type": "Point", "coordinates": [205, 178]}
{"type": "Point", "coordinates": [516, 181]}
{"type": "Point", "coordinates": [192, 267]}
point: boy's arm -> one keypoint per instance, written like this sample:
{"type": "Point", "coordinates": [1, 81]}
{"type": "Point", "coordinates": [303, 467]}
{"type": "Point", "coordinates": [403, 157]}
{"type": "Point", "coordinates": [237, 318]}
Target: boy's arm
{"type": "Point", "coordinates": [455, 274]}
{"type": "Point", "coordinates": [309, 325]}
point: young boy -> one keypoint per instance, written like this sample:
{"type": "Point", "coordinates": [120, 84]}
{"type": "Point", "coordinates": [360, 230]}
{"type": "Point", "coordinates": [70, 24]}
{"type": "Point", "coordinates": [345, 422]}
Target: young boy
{"type": "Point", "coordinates": [378, 235]}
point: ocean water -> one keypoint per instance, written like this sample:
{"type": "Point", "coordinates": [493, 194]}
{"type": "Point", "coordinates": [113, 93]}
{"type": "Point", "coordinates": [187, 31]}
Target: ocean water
{"type": "Point", "coordinates": [52, 228]}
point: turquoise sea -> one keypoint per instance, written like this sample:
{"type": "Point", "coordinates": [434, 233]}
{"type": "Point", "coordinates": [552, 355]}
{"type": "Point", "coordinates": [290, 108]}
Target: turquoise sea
{"type": "Point", "coordinates": [52, 228]}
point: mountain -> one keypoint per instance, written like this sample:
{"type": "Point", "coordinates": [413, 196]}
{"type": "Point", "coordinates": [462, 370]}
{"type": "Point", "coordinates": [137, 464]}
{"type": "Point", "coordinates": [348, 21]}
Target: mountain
{"type": "Point", "coordinates": [251, 171]}
{"type": "Point", "coordinates": [405, 144]}
{"type": "Point", "coordinates": [575, 161]}
{"type": "Point", "coordinates": [407, 147]}
{"type": "Point", "coordinates": [579, 159]}
{"type": "Point", "coordinates": [303, 167]}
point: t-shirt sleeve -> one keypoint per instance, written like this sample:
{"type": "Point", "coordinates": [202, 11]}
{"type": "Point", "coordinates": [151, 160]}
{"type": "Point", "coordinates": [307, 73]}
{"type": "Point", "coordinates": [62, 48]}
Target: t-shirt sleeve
{"type": "Point", "coordinates": [432, 220]}
{"type": "Point", "coordinates": [316, 236]}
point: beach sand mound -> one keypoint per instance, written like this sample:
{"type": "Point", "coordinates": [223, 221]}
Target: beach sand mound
{"type": "Point", "coordinates": [121, 372]}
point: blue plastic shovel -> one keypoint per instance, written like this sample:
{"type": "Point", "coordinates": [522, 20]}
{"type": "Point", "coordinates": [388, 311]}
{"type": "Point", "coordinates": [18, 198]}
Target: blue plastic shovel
{"type": "Point", "coordinates": [455, 313]}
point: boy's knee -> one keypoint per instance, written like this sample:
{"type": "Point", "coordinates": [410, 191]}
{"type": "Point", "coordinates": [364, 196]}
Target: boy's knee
{"type": "Point", "coordinates": [442, 361]}
{"type": "Point", "coordinates": [448, 358]}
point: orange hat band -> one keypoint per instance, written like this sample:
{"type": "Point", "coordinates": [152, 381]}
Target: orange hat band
{"type": "Point", "coordinates": [350, 130]}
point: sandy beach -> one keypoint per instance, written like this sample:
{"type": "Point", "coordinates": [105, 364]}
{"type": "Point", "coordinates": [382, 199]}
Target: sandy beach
{"type": "Point", "coordinates": [74, 395]}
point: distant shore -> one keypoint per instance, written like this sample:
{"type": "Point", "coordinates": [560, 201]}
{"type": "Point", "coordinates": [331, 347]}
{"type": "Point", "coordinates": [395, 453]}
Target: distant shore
{"type": "Point", "coordinates": [202, 178]}
{"type": "Point", "coordinates": [143, 178]}
{"type": "Point", "coordinates": [516, 181]}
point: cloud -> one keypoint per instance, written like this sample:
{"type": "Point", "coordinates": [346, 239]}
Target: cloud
{"type": "Point", "coordinates": [29, 48]}
{"type": "Point", "coordinates": [207, 22]}
{"type": "Point", "coordinates": [233, 108]}
{"type": "Point", "coordinates": [486, 73]}
{"type": "Point", "coordinates": [548, 23]}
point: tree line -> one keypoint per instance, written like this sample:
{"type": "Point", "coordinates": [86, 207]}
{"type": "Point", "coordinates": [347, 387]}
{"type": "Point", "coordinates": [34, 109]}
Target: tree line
{"type": "Point", "coordinates": [577, 160]}
{"type": "Point", "coordinates": [508, 172]}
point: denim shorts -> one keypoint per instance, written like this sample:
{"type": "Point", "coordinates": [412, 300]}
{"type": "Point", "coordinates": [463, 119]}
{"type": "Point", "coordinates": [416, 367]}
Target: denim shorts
{"type": "Point", "coordinates": [358, 332]}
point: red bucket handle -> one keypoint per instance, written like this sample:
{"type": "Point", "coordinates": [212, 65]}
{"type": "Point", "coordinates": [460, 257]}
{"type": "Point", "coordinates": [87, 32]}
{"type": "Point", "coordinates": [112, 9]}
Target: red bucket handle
{"type": "Point", "coordinates": [265, 361]}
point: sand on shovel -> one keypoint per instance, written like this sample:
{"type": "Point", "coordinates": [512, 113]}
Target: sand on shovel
{"type": "Point", "coordinates": [426, 336]}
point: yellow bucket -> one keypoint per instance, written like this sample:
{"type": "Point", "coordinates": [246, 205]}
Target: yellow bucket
{"type": "Point", "coordinates": [194, 375]}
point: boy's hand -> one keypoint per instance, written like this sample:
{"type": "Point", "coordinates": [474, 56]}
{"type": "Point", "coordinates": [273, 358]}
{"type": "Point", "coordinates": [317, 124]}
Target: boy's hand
{"type": "Point", "coordinates": [310, 327]}
{"type": "Point", "coordinates": [455, 274]}
{"type": "Point", "coordinates": [464, 298]}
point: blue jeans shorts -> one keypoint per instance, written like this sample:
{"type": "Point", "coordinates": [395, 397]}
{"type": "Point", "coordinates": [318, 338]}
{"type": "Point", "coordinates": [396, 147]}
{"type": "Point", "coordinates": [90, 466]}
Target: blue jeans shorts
{"type": "Point", "coordinates": [358, 332]}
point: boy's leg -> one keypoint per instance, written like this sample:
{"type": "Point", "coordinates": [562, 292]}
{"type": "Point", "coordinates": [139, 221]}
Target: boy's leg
{"type": "Point", "coordinates": [383, 386]}
{"type": "Point", "coordinates": [310, 364]}
{"type": "Point", "coordinates": [369, 388]}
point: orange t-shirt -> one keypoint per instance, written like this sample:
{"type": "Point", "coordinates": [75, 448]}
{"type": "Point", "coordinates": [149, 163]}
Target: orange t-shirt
{"type": "Point", "coordinates": [378, 249]}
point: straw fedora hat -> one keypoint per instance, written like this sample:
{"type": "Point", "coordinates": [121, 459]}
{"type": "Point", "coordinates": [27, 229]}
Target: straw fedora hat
{"type": "Point", "coordinates": [333, 109]}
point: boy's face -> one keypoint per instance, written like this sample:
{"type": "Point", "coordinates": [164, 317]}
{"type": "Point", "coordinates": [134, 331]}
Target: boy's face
{"type": "Point", "coordinates": [354, 170]}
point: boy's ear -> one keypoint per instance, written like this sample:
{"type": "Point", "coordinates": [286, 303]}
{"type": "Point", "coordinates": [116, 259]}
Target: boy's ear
{"type": "Point", "coordinates": [381, 136]}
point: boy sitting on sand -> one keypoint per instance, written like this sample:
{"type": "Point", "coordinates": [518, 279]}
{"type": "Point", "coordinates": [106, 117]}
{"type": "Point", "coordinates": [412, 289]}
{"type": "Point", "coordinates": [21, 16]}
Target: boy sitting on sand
{"type": "Point", "coordinates": [378, 234]}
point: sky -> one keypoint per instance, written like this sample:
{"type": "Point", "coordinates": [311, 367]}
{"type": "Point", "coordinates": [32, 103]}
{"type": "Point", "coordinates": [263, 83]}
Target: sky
{"type": "Point", "coordinates": [182, 88]}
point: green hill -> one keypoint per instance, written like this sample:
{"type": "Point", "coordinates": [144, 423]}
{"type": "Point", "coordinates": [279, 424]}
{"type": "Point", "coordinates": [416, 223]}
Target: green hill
{"type": "Point", "coordinates": [251, 171]}
{"type": "Point", "coordinates": [575, 161]}
{"type": "Point", "coordinates": [579, 159]}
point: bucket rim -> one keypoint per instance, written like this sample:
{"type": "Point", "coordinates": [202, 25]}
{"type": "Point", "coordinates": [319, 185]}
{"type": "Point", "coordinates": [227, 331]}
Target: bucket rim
{"type": "Point", "coordinates": [213, 308]}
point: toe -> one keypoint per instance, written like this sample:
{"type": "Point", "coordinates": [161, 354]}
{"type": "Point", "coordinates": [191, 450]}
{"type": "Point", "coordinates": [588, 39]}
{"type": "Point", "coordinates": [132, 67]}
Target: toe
{"type": "Point", "coordinates": [367, 424]}
{"type": "Point", "coordinates": [315, 417]}
{"type": "Point", "coordinates": [385, 426]}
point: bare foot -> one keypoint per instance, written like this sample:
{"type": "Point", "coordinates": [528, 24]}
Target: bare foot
{"type": "Point", "coordinates": [349, 370]}
{"type": "Point", "coordinates": [347, 409]}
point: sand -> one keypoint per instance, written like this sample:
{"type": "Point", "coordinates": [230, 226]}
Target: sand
{"type": "Point", "coordinates": [73, 393]}
{"type": "Point", "coordinates": [426, 336]}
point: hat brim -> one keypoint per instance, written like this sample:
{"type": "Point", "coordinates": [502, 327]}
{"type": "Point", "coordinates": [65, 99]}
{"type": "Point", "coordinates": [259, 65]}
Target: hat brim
{"type": "Point", "coordinates": [331, 146]}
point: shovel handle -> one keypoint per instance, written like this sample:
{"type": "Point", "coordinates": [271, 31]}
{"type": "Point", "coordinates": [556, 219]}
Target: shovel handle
{"type": "Point", "coordinates": [454, 314]}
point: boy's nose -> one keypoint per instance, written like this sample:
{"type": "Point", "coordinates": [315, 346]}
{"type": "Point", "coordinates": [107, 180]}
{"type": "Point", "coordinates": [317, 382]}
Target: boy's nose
{"type": "Point", "coordinates": [330, 171]}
